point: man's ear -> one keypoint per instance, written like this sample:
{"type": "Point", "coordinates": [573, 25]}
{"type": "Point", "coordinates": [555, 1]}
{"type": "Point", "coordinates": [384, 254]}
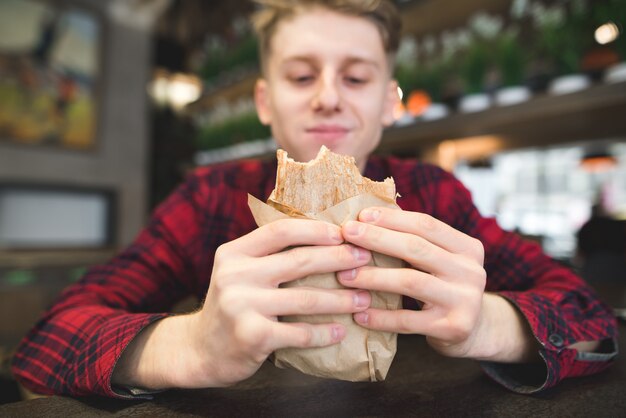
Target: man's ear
{"type": "Point", "coordinates": [391, 100]}
{"type": "Point", "coordinates": [262, 101]}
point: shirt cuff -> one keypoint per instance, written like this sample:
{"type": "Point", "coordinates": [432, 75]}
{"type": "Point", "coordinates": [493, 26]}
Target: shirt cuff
{"type": "Point", "coordinates": [128, 392]}
{"type": "Point", "coordinates": [113, 338]}
{"type": "Point", "coordinates": [549, 328]}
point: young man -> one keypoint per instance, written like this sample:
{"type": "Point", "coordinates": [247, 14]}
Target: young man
{"type": "Point", "coordinates": [327, 80]}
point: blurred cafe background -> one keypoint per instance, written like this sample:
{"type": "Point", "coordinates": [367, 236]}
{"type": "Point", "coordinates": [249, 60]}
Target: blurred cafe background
{"type": "Point", "coordinates": [105, 105]}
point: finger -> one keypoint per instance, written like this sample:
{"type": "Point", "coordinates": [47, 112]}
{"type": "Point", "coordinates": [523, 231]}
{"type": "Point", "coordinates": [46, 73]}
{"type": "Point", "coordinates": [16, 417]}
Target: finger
{"type": "Point", "coordinates": [411, 248]}
{"type": "Point", "coordinates": [284, 233]}
{"type": "Point", "coordinates": [302, 335]}
{"type": "Point", "coordinates": [427, 227]}
{"type": "Point", "coordinates": [408, 282]}
{"type": "Point", "coordinates": [300, 262]}
{"type": "Point", "coordinates": [415, 250]}
{"type": "Point", "coordinates": [401, 321]}
{"type": "Point", "coordinates": [310, 301]}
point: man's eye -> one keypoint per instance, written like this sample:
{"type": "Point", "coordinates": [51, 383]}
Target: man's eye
{"type": "Point", "coordinates": [355, 80]}
{"type": "Point", "coordinates": [302, 79]}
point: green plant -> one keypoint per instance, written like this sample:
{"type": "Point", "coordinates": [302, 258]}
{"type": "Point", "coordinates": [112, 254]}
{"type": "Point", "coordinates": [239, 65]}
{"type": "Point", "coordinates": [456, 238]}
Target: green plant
{"type": "Point", "coordinates": [409, 78]}
{"type": "Point", "coordinates": [563, 36]}
{"type": "Point", "coordinates": [428, 77]}
{"type": "Point", "coordinates": [221, 60]}
{"type": "Point", "coordinates": [242, 128]}
{"type": "Point", "coordinates": [510, 59]}
{"type": "Point", "coordinates": [434, 77]}
{"type": "Point", "coordinates": [474, 67]}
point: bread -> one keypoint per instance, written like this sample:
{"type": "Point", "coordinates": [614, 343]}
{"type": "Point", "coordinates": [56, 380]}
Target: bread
{"type": "Point", "coordinates": [308, 188]}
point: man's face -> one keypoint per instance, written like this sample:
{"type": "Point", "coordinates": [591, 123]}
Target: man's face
{"type": "Point", "coordinates": [327, 83]}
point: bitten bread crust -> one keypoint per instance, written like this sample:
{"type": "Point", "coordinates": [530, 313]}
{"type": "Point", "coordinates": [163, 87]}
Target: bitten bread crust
{"type": "Point", "coordinates": [322, 183]}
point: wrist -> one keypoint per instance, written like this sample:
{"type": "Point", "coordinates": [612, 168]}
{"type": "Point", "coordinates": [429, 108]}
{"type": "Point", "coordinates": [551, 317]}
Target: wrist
{"type": "Point", "coordinates": [161, 356]}
{"type": "Point", "coordinates": [179, 360]}
{"type": "Point", "coordinates": [503, 334]}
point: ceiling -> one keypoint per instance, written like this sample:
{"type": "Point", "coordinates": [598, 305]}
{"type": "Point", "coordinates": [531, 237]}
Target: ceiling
{"type": "Point", "coordinates": [190, 20]}
{"type": "Point", "coordinates": [185, 24]}
{"type": "Point", "coordinates": [428, 16]}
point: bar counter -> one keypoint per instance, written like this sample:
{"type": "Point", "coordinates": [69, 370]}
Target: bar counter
{"type": "Point", "coordinates": [420, 383]}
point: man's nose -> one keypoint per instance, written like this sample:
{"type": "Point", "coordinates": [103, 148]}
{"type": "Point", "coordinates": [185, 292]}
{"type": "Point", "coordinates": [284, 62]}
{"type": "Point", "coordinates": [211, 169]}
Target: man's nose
{"type": "Point", "coordinates": [327, 97]}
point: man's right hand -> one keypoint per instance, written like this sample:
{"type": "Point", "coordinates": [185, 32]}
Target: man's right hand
{"type": "Point", "coordinates": [238, 328]}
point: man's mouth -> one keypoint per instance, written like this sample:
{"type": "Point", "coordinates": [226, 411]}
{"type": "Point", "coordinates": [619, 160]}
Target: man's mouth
{"type": "Point", "coordinates": [328, 132]}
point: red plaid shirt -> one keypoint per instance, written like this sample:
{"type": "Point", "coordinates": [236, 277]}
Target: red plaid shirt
{"type": "Point", "coordinates": [74, 347]}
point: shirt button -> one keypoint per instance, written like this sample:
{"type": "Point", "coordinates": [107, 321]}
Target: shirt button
{"type": "Point", "coordinates": [556, 340]}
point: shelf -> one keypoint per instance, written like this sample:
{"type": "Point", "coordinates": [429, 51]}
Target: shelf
{"type": "Point", "coordinates": [36, 259]}
{"type": "Point", "coordinates": [595, 113]}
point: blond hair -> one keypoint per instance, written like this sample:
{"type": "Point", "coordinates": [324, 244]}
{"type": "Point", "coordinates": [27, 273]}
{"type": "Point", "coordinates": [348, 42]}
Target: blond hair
{"type": "Point", "coordinates": [380, 12]}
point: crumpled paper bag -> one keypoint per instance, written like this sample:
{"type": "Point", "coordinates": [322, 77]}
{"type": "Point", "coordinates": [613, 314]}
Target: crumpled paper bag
{"type": "Point", "coordinates": [364, 355]}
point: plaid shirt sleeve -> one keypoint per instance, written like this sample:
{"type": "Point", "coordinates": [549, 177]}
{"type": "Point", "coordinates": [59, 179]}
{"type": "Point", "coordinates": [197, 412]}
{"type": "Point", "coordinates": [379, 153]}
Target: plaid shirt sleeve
{"type": "Point", "coordinates": [561, 309]}
{"type": "Point", "coordinates": [73, 349]}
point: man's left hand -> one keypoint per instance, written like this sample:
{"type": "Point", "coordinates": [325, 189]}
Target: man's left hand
{"type": "Point", "coordinates": [445, 272]}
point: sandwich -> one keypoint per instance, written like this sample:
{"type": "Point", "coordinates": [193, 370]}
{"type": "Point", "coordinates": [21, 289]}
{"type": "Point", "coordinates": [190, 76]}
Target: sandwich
{"type": "Point", "coordinates": [330, 188]}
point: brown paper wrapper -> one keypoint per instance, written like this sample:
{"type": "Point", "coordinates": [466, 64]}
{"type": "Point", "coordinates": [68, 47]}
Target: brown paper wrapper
{"type": "Point", "coordinates": [364, 355]}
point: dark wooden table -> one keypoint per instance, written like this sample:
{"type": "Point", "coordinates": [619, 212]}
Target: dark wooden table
{"type": "Point", "coordinates": [420, 383]}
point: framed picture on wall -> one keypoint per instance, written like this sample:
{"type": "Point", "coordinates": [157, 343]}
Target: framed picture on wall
{"type": "Point", "coordinates": [50, 217]}
{"type": "Point", "coordinates": [49, 71]}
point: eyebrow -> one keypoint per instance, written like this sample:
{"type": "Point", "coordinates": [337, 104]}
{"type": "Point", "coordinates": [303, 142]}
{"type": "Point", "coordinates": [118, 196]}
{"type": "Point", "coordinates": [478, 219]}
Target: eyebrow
{"type": "Point", "coordinates": [308, 59]}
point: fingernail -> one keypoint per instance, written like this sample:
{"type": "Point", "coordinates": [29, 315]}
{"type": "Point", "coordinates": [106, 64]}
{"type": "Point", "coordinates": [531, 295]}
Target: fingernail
{"type": "Point", "coordinates": [347, 275]}
{"type": "Point", "coordinates": [354, 228]}
{"type": "Point", "coordinates": [359, 253]}
{"type": "Point", "coordinates": [369, 215]}
{"type": "Point", "coordinates": [361, 299]}
{"type": "Point", "coordinates": [337, 333]}
{"type": "Point", "coordinates": [361, 317]}
{"type": "Point", "coordinates": [334, 233]}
